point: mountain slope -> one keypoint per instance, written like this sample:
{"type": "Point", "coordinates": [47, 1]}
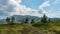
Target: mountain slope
{"type": "Point", "coordinates": [20, 18]}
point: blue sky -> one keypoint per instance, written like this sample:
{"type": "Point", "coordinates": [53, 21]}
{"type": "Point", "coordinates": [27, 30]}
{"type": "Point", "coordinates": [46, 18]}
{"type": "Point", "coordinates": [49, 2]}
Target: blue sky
{"type": "Point", "coordinates": [34, 4]}
{"type": "Point", "coordinates": [30, 7]}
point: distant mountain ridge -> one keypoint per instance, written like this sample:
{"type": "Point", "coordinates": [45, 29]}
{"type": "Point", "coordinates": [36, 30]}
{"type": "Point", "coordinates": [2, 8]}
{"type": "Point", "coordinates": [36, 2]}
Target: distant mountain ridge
{"type": "Point", "coordinates": [19, 18]}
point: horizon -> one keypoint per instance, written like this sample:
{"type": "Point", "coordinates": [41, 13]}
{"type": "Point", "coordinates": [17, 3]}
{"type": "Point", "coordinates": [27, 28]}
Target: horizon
{"type": "Point", "coordinates": [30, 7]}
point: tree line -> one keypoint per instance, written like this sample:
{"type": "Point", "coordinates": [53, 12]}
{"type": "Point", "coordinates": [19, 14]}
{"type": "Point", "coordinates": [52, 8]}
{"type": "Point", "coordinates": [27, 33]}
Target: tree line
{"type": "Point", "coordinates": [44, 19]}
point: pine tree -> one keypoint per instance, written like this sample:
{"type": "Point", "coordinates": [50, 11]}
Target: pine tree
{"type": "Point", "coordinates": [49, 20]}
{"type": "Point", "coordinates": [32, 21]}
{"type": "Point", "coordinates": [44, 19]}
{"type": "Point", "coordinates": [8, 20]}
{"type": "Point", "coordinates": [26, 20]}
{"type": "Point", "coordinates": [12, 20]}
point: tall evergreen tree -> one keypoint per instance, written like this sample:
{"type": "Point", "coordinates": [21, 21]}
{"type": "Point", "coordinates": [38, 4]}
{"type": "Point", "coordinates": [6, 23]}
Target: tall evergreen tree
{"type": "Point", "coordinates": [26, 20]}
{"type": "Point", "coordinates": [8, 20]}
{"type": "Point", "coordinates": [44, 19]}
{"type": "Point", "coordinates": [49, 20]}
{"type": "Point", "coordinates": [12, 19]}
{"type": "Point", "coordinates": [32, 21]}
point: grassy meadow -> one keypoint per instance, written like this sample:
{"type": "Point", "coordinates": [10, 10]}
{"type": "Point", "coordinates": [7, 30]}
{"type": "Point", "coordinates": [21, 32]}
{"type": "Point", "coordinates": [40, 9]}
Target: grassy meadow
{"type": "Point", "coordinates": [44, 26]}
{"type": "Point", "coordinates": [49, 28]}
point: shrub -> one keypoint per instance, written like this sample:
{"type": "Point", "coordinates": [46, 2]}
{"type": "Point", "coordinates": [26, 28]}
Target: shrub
{"type": "Point", "coordinates": [37, 24]}
{"type": "Point", "coordinates": [58, 32]}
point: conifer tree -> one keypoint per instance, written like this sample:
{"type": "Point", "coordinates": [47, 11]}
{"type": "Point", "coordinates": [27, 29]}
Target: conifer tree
{"type": "Point", "coordinates": [26, 20]}
{"type": "Point", "coordinates": [44, 19]}
{"type": "Point", "coordinates": [32, 21]}
{"type": "Point", "coordinates": [8, 20]}
{"type": "Point", "coordinates": [12, 20]}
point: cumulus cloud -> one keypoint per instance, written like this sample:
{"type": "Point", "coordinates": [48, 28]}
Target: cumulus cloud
{"type": "Point", "coordinates": [13, 7]}
{"type": "Point", "coordinates": [20, 9]}
{"type": "Point", "coordinates": [6, 8]}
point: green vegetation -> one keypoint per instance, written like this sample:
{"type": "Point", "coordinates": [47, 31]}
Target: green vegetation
{"type": "Point", "coordinates": [44, 19]}
{"type": "Point", "coordinates": [12, 20]}
{"type": "Point", "coordinates": [32, 21]}
{"type": "Point", "coordinates": [44, 26]}
{"type": "Point", "coordinates": [26, 20]}
{"type": "Point", "coordinates": [8, 20]}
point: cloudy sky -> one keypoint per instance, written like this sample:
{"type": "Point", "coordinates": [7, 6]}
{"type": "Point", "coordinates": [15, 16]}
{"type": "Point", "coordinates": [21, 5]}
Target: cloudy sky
{"type": "Point", "coordinates": [29, 7]}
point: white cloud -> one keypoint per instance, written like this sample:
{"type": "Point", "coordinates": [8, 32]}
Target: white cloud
{"type": "Point", "coordinates": [13, 7]}
{"type": "Point", "coordinates": [53, 15]}
{"type": "Point", "coordinates": [23, 10]}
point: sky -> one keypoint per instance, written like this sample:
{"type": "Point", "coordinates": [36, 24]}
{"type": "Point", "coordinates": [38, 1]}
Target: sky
{"type": "Point", "coordinates": [30, 7]}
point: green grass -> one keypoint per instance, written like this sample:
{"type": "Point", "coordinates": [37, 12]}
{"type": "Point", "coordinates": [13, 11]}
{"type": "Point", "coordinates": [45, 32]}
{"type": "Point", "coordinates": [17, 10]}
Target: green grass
{"type": "Point", "coordinates": [53, 26]}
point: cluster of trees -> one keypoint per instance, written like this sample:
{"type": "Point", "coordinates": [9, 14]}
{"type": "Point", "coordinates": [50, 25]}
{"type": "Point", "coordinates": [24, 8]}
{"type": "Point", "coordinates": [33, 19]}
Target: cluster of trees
{"type": "Point", "coordinates": [44, 19]}
{"type": "Point", "coordinates": [10, 21]}
{"type": "Point", "coordinates": [27, 20]}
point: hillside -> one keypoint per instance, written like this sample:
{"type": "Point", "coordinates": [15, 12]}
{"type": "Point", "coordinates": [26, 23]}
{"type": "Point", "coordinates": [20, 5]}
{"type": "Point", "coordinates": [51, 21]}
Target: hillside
{"type": "Point", "coordinates": [20, 18]}
{"type": "Point", "coordinates": [23, 29]}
